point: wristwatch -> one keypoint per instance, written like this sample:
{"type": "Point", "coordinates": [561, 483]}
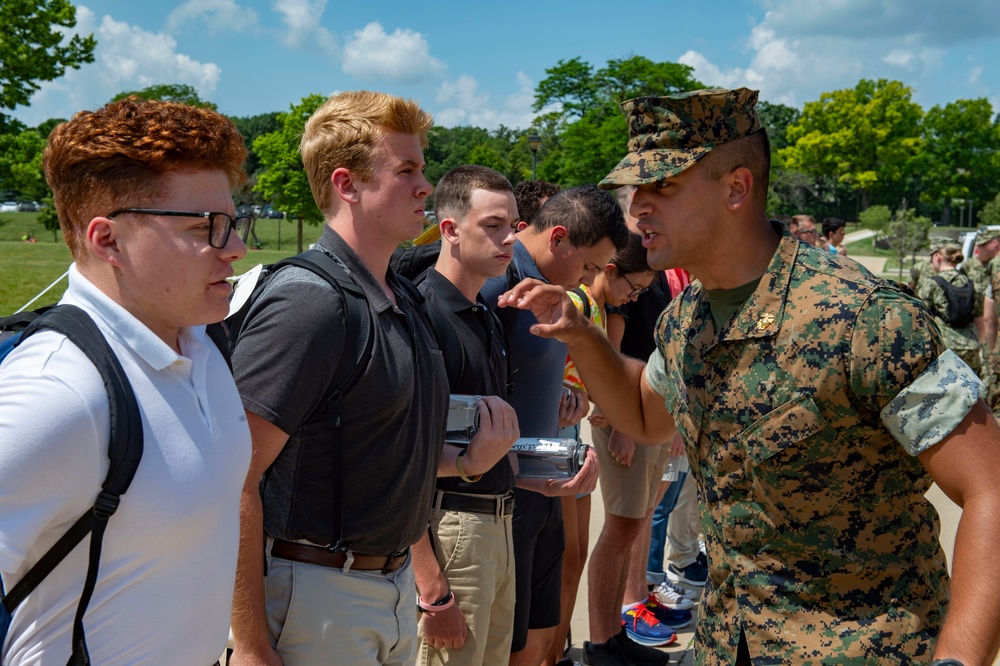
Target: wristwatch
{"type": "Point", "coordinates": [947, 662]}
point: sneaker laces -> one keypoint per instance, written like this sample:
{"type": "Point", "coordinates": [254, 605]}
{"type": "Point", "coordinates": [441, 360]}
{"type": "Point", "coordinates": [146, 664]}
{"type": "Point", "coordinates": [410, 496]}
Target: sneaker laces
{"type": "Point", "coordinates": [671, 590]}
{"type": "Point", "coordinates": [640, 612]}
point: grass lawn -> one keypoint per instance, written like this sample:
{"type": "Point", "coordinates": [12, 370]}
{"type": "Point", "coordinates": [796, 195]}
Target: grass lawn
{"type": "Point", "coordinates": [27, 268]}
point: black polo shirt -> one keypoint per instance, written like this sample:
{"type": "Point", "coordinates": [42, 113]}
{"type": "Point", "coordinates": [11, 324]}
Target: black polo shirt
{"type": "Point", "coordinates": [480, 368]}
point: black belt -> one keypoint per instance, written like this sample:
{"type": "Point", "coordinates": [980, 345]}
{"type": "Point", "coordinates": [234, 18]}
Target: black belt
{"type": "Point", "coordinates": [324, 557]}
{"type": "Point", "coordinates": [491, 505]}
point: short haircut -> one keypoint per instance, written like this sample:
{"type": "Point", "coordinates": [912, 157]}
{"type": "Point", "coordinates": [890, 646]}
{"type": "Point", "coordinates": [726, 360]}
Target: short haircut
{"type": "Point", "coordinates": [799, 219]}
{"type": "Point", "coordinates": [345, 132]}
{"type": "Point", "coordinates": [633, 257]}
{"type": "Point", "coordinates": [590, 215]}
{"type": "Point", "coordinates": [112, 158]}
{"type": "Point", "coordinates": [454, 191]}
{"type": "Point", "coordinates": [752, 151]}
{"type": "Point", "coordinates": [831, 224]}
{"type": "Point", "coordinates": [530, 195]}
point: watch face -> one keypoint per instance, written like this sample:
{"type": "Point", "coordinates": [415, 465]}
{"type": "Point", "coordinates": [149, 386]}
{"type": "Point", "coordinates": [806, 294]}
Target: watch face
{"type": "Point", "coordinates": [947, 662]}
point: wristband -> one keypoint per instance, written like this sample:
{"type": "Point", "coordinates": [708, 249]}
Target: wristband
{"type": "Point", "coordinates": [461, 468]}
{"type": "Point", "coordinates": [444, 603]}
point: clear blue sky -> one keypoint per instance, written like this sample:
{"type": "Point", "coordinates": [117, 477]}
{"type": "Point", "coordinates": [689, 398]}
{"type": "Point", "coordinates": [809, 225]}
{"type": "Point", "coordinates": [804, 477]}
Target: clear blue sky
{"type": "Point", "coordinates": [478, 63]}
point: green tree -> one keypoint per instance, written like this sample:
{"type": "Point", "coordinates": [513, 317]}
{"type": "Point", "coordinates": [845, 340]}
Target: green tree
{"type": "Point", "coordinates": [34, 49]}
{"type": "Point", "coordinates": [586, 132]}
{"type": "Point", "coordinates": [21, 164]}
{"type": "Point", "coordinates": [906, 233]}
{"type": "Point", "coordinates": [990, 213]}
{"type": "Point", "coordinates": [958, 154]}
{"type": "Point", "coordinates": [876, 218]}
{"type": "Point", "coordinates": [282, 178]}
{"type": "Point", "coordinates": [181, 93]}
{"type": "Point", "coordinates": [252, 127]}
{"type": "Point", "coordinates": [866, 136]}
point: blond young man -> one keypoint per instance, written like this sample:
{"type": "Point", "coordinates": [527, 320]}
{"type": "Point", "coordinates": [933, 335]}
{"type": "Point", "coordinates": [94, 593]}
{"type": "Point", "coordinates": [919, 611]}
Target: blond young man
{"type": "Point", "coordinates": [131, 183]}
{"type": "Point", "coordinates": [350, 478]}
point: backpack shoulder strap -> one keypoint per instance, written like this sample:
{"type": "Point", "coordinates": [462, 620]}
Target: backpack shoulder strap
{"type": "Point", "coordinates": [217, 334]}
{"type": "Point", "coordinates": [583, 298]}
{"type": "Point", "coordinates": [124, 450]}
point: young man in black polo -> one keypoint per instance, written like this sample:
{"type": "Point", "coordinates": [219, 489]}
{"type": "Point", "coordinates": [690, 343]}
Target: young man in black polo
{"type": "Point", "coordinates": [469, 551]}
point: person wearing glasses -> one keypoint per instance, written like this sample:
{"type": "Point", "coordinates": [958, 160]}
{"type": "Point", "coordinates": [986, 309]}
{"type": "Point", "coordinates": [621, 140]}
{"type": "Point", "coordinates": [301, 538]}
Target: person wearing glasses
{"type": "Point", "coordinates": [805, 229]}
{"type": "Point", "coordinates": [142, 191]}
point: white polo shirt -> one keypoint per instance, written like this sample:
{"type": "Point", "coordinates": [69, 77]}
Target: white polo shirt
{"type": "Point", "coordinates": [164, 591]}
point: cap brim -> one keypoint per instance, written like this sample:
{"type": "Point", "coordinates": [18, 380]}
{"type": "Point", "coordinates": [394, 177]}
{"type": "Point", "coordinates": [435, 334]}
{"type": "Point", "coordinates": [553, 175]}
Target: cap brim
{"type": "Point", "coordinates": [651, 166]}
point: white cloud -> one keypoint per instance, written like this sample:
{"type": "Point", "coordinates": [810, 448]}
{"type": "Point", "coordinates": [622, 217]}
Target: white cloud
{"type": "Point", "coordinates": [303, 29]}
{"type": "Point", "coordinates": [464, 103]}
{"type": "Point", "coordinates": [218, 15]}
{"type": "Point", "coordinates": [401, 57]}
{"type": "Point", "coordinates": [974, 75]}
{"type": "Point", "coordinates": [900, 58]}
{"type": "Point", "coordinates": [126, 58]}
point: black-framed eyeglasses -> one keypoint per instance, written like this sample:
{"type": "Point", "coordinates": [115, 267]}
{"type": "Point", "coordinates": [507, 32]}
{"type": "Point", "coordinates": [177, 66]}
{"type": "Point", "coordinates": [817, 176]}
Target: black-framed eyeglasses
{"type": "Point", "coordinates": [635, 291]}
{"type": "Point", "coordinates": [219, 224]}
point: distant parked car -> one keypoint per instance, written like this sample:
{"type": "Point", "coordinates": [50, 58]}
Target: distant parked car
{"type": "Point", "coordinates": [8, 207]}
{"type": "Point", "coordinates": [272, 213]}
{"type": "Point", "coordinates": [27, 207]}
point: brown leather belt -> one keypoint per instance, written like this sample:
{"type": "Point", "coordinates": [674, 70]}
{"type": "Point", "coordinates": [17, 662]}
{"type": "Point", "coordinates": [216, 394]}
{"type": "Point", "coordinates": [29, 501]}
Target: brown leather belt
{"type": "Point", "coordinates": [324, 557]}
{"type": "Point", "coordinates": [491, 505]}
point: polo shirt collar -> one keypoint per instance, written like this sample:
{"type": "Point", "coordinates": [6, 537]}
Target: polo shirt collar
{"type": "Point", "coordinates": [118, 323]}
{"type": "Point", "coordinates": [333, 243]}
{"type": "Point", "coordinates": [526, 265]}
{"type": "Point", "coordinates": [447, 292]}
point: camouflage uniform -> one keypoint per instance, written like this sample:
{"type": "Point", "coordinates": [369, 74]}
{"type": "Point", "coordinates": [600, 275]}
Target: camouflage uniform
{"type": "Point", "coordinates": [919, 272]}
{"type": "Point", "coordinates": [965, 341]}
{"type": "Point", "coordinates": [821, 546]}
{"type": "Point", "coordinates": [993, 362]}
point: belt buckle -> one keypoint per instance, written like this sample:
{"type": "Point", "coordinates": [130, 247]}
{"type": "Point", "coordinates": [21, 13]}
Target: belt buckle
{"type": "Point", "coordinates": [389, 560]}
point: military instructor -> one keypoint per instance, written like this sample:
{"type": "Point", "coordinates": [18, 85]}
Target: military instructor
{"type": "Point", "coordinates": [817, 405]}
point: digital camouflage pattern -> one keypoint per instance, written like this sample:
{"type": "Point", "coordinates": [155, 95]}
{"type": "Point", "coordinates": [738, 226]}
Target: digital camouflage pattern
{"type": "Point", "coordinates": [964, 341]}
{"type": "Point", "coordinates": [920, 271]}
{"type": "Point", "coordinates": [980, 274]}
{"type": "Point", "coordinates": [669, 134]}
{"type": "Point", "coordinates": [821, 545]}
{"type": "Point", "coordinates": [986, 235]}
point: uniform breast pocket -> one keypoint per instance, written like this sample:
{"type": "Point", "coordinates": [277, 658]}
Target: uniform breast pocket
{"type": "Point", "coordinates": [798, 464]}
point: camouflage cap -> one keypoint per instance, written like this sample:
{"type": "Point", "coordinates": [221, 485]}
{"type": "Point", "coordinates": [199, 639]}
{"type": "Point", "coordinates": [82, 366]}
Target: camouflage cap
{"type": "Point", "coordinates": [938, 244]}
{"type": "Point", "coordinates": [669, 134]}
{"type": "Point", "coordinates": [986, 235]}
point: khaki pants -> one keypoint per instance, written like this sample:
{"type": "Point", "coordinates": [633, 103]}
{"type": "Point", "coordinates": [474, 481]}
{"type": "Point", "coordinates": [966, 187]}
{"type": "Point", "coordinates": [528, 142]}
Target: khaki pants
{"type": "Point", "coordinates": [629, 491]}
{"type": "Point", "coordinates": [684, 526]}
{"type": "Point", "coordinates": [476, 554]}
{"type": "Point", "coordinates": [320, 615]}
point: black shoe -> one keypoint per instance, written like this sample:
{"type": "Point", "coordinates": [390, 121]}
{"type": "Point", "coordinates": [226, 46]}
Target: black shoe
{"type": "Point", "coordinates": [637, 654]}
{"type": "Point", "coordinates": [604, 654]}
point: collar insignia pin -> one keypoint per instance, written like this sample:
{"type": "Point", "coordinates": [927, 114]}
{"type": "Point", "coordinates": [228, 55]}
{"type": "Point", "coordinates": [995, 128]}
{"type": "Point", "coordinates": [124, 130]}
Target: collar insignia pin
{"type": "Point", "coordinates": [765, 321]}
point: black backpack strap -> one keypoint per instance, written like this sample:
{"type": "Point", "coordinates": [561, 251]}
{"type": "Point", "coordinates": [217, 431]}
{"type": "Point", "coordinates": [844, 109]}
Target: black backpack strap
{"type": "Point", "coordinates": [124, 450]}
{"type": "Point", "coordinates": [217, 333]}
{"type": "Point", "coordinates": [583, 297]}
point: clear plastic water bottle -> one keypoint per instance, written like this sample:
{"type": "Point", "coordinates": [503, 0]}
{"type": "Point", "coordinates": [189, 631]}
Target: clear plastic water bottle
{"type": "Point", "coordinates": [463, 418]}
{"type": "Point", "coordinates": [545, 458]}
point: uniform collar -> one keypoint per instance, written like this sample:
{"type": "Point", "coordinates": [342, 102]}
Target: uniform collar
{"type": "Point", "coordinates": [447, 292]}
{"type": "Point", "coordinates": [762, 315]}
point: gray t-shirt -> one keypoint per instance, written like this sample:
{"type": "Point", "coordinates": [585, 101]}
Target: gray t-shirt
{"type": "Point", "coordinates": [393, 419]}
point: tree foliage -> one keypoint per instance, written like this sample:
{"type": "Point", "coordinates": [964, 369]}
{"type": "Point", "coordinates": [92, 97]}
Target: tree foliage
{"type": "Point", "coordinates": [282, 178]}
{"type": "Point", "coordinates": [990, 213]}
{"type": "Point", "coordinates": [906, 233]}
{"type": "Point", "coordinates": [181, 93]}
{"type": "Point", "coordinates": [585, 132]}
{"type": "Point", "coordinates": [958, 158]}
{"type": "Point", "coordinates": [866, 136]}
{"type": "Point", "coordinates": [33, 49]}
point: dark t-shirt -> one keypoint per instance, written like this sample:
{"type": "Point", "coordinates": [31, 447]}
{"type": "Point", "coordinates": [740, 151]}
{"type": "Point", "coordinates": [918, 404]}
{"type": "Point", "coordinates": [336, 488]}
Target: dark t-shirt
{"type": "Point", "coordinates": [480, 369]}
{"type": "Point", "coordinates": [641, 316]}
{"type": "Point", "coordinates": [537, 363]}
{"type": "Point", "coordinates": [393, 419]}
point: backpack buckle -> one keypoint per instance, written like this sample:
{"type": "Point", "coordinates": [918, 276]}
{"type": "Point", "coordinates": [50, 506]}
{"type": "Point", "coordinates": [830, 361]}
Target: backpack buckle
{"type": "Point", "coordinates": [106, 505]}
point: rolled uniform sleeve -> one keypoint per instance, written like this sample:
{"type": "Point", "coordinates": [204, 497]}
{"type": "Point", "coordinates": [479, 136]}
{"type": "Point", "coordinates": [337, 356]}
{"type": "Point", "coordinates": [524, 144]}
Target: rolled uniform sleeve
{"type": "Point", "coordinates": [656, 366]}
{"type": "Point", "coordinates": [897, 370]}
